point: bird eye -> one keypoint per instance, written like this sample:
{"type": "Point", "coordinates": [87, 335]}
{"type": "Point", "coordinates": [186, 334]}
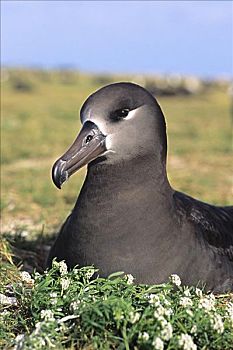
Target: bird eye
{"type": "Point", "coordinates": [119, 114]}
{"type": "Point", "coordinates": [123, 113]}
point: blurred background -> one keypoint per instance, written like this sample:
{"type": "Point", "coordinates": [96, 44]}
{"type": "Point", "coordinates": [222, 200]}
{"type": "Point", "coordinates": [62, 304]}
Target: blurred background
{"type": "Point", "coordinates": [55, 53]}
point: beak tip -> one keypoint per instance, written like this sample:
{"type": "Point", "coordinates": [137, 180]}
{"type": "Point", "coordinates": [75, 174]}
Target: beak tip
{"type": "Point", "coordinates": [56, 182]}
{"type": "Point", "coordinates": [57, 185]}
{"type": "Point", "coordinates": [57, 174]}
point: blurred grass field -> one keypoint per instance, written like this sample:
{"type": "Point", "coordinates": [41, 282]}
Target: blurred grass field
{"type": "Point", "coordinates": [40, 119]}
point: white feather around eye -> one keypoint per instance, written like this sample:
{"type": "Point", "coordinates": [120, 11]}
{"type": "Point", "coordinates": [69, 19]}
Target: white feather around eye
{"type": "Point", "coordinates": [130, 115]}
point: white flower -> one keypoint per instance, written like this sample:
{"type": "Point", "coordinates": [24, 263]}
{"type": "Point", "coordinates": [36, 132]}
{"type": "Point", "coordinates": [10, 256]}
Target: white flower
{"type": "Point", "coordinates": [26, 277]}
{"type": "Point", "coordinates": [187, 292]}
{"type": "Point", "coordinates": [4, 300]}
{"type": "Point", "coordinates": [194, 329]}
{"type": "Point", "coordinates": [212, 296]}
{"type": "Point", "coordinates": [129, 278]}
{"type": "Point", "coordinates": [90, 273]}
{"type": "Point", "coordinates": [198, 292]}
{"type": "Point", "coordinates": [19, 338]}
{"type": "Point", "coordinates": [229, 310]}
{"type": "Point", "coordinates": [186, 342]}
{"type": "Point", "coordinates": [217, 323]}
{"type": "Point", "coordinates": [74, 305]}
{"type": "Point", "coordinates": [175, 279]}
{"type": "Point", "coordinates": [61, 265]}
{"type": "Point", "coordinates": [166, 302]}
{"type": "Point", "coordinates": [154, 299]}
{"type": "Point", "coordinates": [65, 282]}
{"type": "Point", "coordinates": [134, 317]}
{"type": "Point", "coordinates": [62, 268]}
{"type": "Point", "coordinates": [53, 297]}
{"type": "Point", "coordinates": [161, 310]}
{"type": "Point", "coordinates": [185, 301]}
{"type": "Point", "coordinates": [37, 275]}
{"type": "Point", "coordinates": [189, 312]}
{"type": "Point", "coordinates": [158, 343]}
{"type": "Point", "coordinates": [207, 303]}
{"type": "Point", "coordinates": [161, 319]}
{"type": "Point", "coordinates": [168, 312]}
{"type": "Point", "coordinates": [144, 336]}
{"type": "Point", "coordinates": [19, 342]}
{"type": "Point", "coordinates": [37, 327]}
{"type": "Point", "coordinates": [47, 315]}
{"type": "Point", "coordinates": [166, 332]}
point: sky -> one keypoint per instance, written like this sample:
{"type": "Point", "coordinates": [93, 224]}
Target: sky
{"type": "Point", "coordinates": [183, 37]}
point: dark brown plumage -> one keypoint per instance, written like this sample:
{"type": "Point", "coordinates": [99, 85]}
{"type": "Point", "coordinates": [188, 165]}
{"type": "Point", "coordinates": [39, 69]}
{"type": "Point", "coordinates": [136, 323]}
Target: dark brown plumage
{"type": "Point", "coordinates": [127, 216]}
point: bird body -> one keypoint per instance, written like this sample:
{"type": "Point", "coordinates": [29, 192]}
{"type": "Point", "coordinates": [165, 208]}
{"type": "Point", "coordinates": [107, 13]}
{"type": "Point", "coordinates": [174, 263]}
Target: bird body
{"type": "Point", "coordinates": [127, 216]}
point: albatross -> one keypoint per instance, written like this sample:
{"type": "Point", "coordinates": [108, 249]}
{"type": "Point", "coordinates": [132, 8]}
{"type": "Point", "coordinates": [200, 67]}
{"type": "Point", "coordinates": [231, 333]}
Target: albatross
{"type": "Point", "coordinates": [127, 216]}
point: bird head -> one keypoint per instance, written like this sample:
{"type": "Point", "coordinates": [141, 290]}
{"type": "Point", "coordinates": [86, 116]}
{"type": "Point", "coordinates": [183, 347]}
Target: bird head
{"type": "Point", "coordinates": [120, 122]}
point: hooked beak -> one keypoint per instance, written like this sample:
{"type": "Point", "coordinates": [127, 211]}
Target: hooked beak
{"type": "Point", "coordinates": [89, 144]}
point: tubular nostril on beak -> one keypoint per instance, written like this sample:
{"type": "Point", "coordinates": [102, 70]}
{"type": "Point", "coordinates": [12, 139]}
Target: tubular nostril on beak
{"type": "Point", "coordinates": [88, 145]}
{"type": "Point", "coordinates": [89, 138]}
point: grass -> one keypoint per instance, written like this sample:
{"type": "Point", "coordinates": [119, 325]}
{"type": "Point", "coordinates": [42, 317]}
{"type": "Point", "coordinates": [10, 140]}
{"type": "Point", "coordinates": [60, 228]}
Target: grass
{"type": "Point", "coordinates": [60, 309]}
{"type": "Point", "coordinates": [39, 125]}
{"type": "Point", "coordinates": [39, 121]}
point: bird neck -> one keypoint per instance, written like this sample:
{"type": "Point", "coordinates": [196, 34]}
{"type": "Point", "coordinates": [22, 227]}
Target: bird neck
{"type": "Point", "coordinates": [105, 179]}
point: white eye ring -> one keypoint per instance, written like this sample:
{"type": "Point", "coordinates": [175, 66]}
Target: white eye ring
{"type": "Point", "coordinates": [130, 114]}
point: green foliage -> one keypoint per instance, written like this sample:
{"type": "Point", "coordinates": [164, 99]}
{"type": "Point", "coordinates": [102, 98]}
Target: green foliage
{"type": "Point", "coordinates": [61, 309]}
